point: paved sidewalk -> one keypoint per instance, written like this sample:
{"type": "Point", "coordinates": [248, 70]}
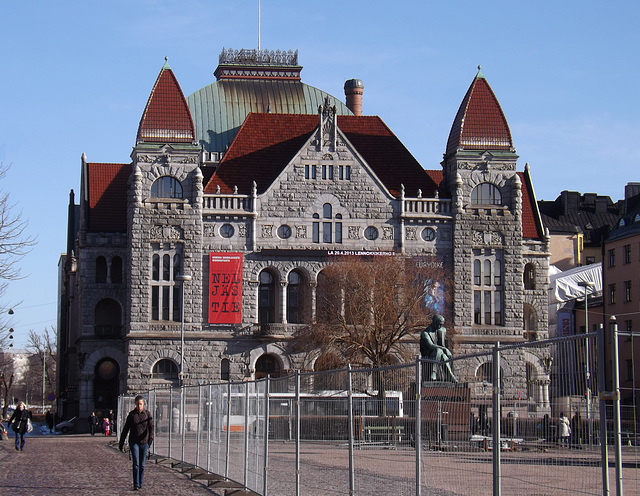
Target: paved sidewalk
{"type": "Point", "coordinates": [83, 465]}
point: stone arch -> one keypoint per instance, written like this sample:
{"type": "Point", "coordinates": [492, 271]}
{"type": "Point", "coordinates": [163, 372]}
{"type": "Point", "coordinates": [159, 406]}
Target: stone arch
{"type": "Point", "coordinates": [103, 352]}
{"type": "Point", "coordinates": [335, 203]}
{"type": "Point", "coordinates": [157, 355]}
{"type": "Point", "coordinates": [269, 349]}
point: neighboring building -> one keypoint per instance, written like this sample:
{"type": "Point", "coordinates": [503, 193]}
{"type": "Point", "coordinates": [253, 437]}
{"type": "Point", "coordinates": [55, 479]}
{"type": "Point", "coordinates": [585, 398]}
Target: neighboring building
{"type": "Point", "coordinates": [578, 225]}
{"type": "Point", "coordinates": [621, 291]}
{"type": "Point", "coordinates": [237, 197]}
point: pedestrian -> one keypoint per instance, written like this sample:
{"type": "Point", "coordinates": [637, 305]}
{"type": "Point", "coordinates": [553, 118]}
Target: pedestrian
{"type": "Point", "coordinates": [49, 418]}
{"type": "Point", "coordinates": [112, 422]}
{"type": "Point", "coordinates": [139, 427]}
{"type": "Point", "coordinates": [94, 422]}
{"type": "Point", "coordinates": [19, 423]}
{"type": "Point", "coordinates": [106, 426]}
{"type": "Point", "coordinates": [565, 430]}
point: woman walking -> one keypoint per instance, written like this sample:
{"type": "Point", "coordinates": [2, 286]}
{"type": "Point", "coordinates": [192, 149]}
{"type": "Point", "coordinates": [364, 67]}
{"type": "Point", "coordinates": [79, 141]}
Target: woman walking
{"type": "Point", "coordinates": [18, 422]}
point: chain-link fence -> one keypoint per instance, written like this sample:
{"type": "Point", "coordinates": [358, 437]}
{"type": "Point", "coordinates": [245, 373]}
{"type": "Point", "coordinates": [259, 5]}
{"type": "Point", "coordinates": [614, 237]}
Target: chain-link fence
{"type": "Point", "coordinates": [521, 419]}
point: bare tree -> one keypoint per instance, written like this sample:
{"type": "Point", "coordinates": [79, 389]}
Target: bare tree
{"type": "Point", "coordinates": [42, 363]}
{"type": "Point", "coordinates": [6, 380]}
{"type": "Point", "coordinates": [15, 243]}
{"type": "Point", "coordinates": [369, 310]}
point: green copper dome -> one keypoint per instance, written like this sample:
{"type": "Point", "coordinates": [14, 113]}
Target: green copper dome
{"type": "Point", "coordinates": [252, 81]}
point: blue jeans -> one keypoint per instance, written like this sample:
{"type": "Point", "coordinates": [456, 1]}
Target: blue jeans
{"type": "Point", "coordinates": [139, 457]}
{"type": "Point", "coordinates": [19, 441]}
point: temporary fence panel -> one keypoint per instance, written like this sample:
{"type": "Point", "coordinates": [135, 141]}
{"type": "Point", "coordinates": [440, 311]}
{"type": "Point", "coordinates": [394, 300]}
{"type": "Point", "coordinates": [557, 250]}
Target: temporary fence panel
{"type": "Point", "coordinates": [519, 419]}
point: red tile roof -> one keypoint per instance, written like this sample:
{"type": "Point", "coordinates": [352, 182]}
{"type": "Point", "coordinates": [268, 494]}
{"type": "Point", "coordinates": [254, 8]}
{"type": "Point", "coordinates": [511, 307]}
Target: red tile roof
{"type": "Point", "coordinates": [266, 143]}
{"type": "Point", "coordinates": [166, 118]}
{"type": "Point", "coordinates": [531, 224]}
{"type": "Point", "coordinates": [107, 197]}
{"type": "Point", "coordinates": [480, 123]}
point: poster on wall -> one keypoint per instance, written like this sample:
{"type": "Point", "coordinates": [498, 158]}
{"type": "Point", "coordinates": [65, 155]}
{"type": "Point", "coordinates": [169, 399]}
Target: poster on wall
{"type": "Point", "coordinates": [225, 288]}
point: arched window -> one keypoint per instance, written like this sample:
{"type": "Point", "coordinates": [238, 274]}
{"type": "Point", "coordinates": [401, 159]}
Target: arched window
{"type": "Point", "coordinates": [166, 187]}
{"type": "Point", "coordinates": [116, 270]}
{"type": "Point", "coordinates": [295, 298]}
{"type": "Point", "coordinates": [225, 369]}
{"type": "Point", "coordinates": [485, 373]}
{"type": "Point", "coordinates": [486, 194]}
{"type": "Point", "coordinates": [107, 319]}
{"type": "Point", "coordinates": [331, 225]}
{"type": "Point", "coordinates": [530, 322]}
{"type": "Point", "coordinates": [266, 298]}
{"type": "Point", "coordinates": [166, 264]}
{"type": "Point", "coordinates": [101, 270]}
{"type": "Point", "coordinates": [165, 370]}
{"type": "Point", "coordinates": [530, 276]}
{"type": "Point", "coordinates": [267, 365]}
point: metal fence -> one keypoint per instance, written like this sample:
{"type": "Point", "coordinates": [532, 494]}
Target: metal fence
{"type": "Point", "coordinates": [395, 430]}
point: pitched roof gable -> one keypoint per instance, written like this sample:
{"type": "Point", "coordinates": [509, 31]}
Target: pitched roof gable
{"type": "Point", "coordinates": [166, 117]}
{"type": "Point", "coordinates": [531, 220]}
{"type": "Point", "coordinates": [480, 123]}
{"type": "Point", "coordinates": [107, 197]}
{"type": "Point", "coordinates": [266, 143]}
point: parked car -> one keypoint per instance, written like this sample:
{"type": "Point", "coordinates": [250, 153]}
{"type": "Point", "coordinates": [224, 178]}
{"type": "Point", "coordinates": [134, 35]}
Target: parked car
{"type": "Point", "coordinates": [66, 426]}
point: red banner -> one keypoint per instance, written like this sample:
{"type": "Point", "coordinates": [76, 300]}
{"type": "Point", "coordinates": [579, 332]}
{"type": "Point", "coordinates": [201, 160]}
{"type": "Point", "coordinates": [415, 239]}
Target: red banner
{"type": "Point", "coordinates": [225, 288]}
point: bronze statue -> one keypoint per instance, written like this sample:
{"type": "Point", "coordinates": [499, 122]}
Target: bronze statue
{"type": "Point", "coordinates": [432, 347]}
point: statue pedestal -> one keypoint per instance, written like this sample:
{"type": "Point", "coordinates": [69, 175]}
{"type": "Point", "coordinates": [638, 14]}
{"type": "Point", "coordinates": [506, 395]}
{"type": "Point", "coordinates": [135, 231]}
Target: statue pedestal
{"type": "Point", "coordinates": [446, 409]}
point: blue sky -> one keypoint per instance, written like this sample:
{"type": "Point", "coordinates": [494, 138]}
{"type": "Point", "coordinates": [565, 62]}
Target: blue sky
{"type": "Point", "coordinates": [76, 77]}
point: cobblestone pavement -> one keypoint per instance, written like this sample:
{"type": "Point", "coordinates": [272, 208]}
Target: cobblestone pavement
{"type": "Point", "coordinates": [83, 465]}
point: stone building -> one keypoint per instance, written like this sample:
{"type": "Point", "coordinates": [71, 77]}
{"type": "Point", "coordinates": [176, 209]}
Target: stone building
{"type": "Point", "coordinates": [235, 199]}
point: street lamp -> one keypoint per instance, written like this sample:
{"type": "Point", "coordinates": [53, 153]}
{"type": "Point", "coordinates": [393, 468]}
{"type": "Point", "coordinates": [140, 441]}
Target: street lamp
{"type": "Point", "coordinates": [586, 285]}
{"type": "Point", "coordinates": [182, 278]}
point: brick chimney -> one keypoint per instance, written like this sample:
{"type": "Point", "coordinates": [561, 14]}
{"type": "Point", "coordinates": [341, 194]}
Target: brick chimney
{"type": "Point", "coordinates": [353, 89]}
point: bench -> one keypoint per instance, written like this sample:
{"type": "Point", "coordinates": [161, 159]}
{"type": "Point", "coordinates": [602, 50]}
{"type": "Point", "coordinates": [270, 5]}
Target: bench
{"type": "Point", "coordinates": [389, 433]}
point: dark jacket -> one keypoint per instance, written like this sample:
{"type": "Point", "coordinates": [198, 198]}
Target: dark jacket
{"type": "Point", "coordinates": [18, 420]}
{"type": "Point", "coordinates": [139, 426]}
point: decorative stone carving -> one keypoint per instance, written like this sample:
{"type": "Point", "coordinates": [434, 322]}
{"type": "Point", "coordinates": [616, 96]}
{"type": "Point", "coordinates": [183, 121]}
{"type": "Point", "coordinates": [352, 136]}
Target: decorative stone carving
{"type": "Point", "coordinates": [411, 233]}
{"type": "Point", "coordinates": [175, 232]}
{"type": "Point", "coordinates": [242, 230]}
{"type": "Point", "coordinates": [147, 159]}
{"type": "Point", "coordinates": [209, 230]}
{"type": "Point", "coordinates": [301, 232]}
{"type": "Point", "coordinates": [387, 232]}
{"type": "Point", "coordinates": [354, 232]}
{"type": "Point", "coordinates": [156, 232]}
{"type": "Point", "coordinates": [267, 231]}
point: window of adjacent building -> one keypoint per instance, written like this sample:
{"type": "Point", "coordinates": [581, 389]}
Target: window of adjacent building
{"type": "Point", "coordinates": [629, 370]}
{"type": "Point", "coordinates": [627, 291]}
{"type": "Point", "coordinates": [612, 294]}
{"type": "Point", "coordinates": [488, 290]}
{"type": "Point", "coordinates": [529, 276]}
{"type": "Point", "coordinates": [266, 298]}
{"type": "Point", "coordinates": [166, 187]}
{"type": "Point", "coordinates": [486, 194]}
{"type": "Point", "coordinates": [225, 369]}
{"type": "Point", "coordinates": [628, 325]}
{"type": "Point", "coordinates": [331, 226]}
{"type": "Point", "coordinates": [165, 370]}
{"type": "Point", "coordinates": [612, 257]}
{"type": "Point", "coordinates": [295, 297]}
{"type": "Point", "coordinates": [627, 254]}
{"type": "Point", "coordinates": [101, 270]}
{"type": "Point", "coordinates": [116, 270]}
{"type": "Point", "coordinates": [166, 264]}
{"type": "Point", "coordinates": [590, 260]}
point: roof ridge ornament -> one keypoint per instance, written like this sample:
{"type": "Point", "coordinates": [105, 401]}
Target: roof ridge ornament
{"type": "Point", "coordinates": [479, 75]}
{"type": "Point", "coordinates": [166, 63]}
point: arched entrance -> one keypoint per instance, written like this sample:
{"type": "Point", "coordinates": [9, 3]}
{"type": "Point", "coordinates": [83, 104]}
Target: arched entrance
{"type": "Point", "coordinates": [105, 384]}
{"type": "Point", "coordinates": [268, 365]}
